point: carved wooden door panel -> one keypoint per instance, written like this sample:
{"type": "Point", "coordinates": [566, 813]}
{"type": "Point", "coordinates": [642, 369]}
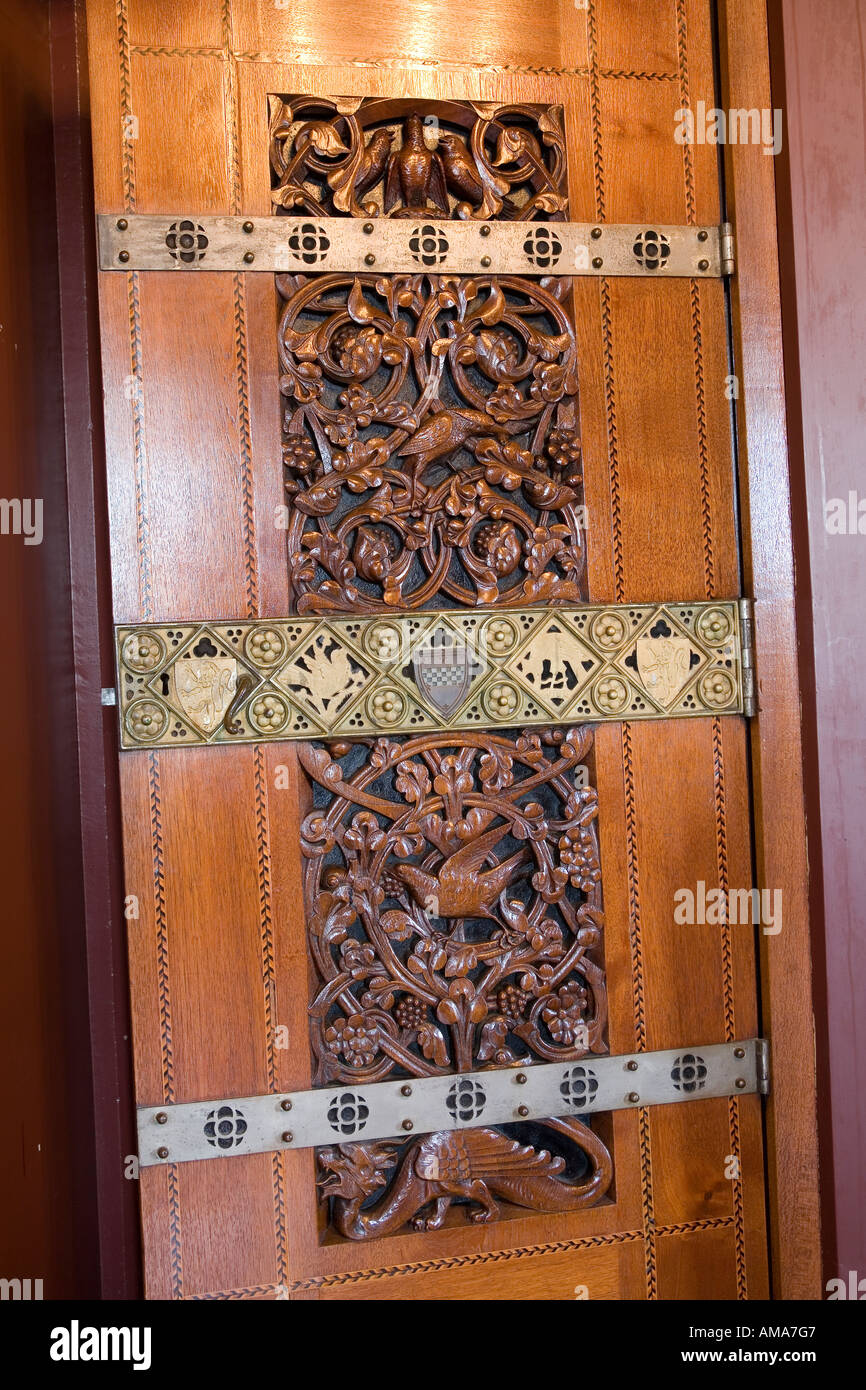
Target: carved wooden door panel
{"type": "Point", "coordinates": [450, 557]}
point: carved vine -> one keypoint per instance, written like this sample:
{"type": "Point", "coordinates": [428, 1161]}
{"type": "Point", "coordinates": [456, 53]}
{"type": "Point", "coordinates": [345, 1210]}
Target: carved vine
{"type": "Point", "coordinates": [453, 901]}
{"type": "Point", "coordinates": [371, 157]}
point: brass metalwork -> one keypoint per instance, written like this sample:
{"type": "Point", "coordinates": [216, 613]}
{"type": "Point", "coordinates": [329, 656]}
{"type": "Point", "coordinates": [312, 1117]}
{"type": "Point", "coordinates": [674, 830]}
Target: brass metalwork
{"type": "Point", "coordinates": [307, 244]}
{"type": "Point", "coordinates": [359, 675]}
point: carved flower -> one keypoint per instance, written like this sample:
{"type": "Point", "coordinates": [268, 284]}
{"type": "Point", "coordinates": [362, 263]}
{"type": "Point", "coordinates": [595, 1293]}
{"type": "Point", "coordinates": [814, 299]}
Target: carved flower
{"type": "Point", "coordinates": [375, 548]}
{"type": "Point", "coordinates": [356, 1039]}
{"type": "Point", "coordinates": [548, 381]}
{"type": "Point", "coordinates": [511, 1001]}
{"type": "Point", "coordinates": [498, 543]}
{"type": "Point", "coordinates": [300, 454]}
{"type": "Point", "coordinates": [410, 1011]}
{"type": "Point", "coordinates": [546, 939]}
{"type": "Point", "coordinates": [563, 1013]}
{"type": "Point", "coordinates": [387, 706]}
{"type": "Point", "coordinates": [504, 404]}
{"type": "Point", "coordinates": [356, 957]}
{"type": "Point", "coordinates": [269, 713]}
{"type": "Point", "coordinates": [357, 350]}
{"type": "Point", "coordinates": [563, 446]}
{"type": "Point", "coordinates": [265, 646]}
{"type": "Point", "coordinates": [577, 854]}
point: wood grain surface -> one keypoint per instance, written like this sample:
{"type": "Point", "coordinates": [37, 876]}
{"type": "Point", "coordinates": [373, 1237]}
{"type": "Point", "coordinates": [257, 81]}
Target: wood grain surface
{"type": "Point", "coordinates": [218, 952]}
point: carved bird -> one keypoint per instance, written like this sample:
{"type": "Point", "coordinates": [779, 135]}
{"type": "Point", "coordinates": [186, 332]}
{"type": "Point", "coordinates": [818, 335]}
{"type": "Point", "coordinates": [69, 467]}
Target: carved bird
{"type": "Point", "coordinates": [442, 433]}
{"type": "Point", "coordinates": [460, 889]}
{"type": "Point", "coordinates": [460, 172]}
{"type": "Point", "coordinates": [373, 161]}
{"type": "Point", "coordinates": [415, 173]}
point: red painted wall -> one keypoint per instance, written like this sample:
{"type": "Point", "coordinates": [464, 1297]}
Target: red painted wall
{"type": "Point", "coordinates": [820, 76]}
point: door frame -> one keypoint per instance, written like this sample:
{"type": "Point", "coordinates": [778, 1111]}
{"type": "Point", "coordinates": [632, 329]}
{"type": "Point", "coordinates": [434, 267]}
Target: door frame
{"type": "Point", "coordinates": [777, 736]}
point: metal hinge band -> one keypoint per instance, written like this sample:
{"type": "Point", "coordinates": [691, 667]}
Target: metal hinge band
{"type": "Point", "coordinates": [303, 244]}
{"type": "Point", "coordinates": [747, 657]}
{"type": "Point", "coordinates": [251, 681]}
{"type": "Point", "coordinates": [229, 1127]}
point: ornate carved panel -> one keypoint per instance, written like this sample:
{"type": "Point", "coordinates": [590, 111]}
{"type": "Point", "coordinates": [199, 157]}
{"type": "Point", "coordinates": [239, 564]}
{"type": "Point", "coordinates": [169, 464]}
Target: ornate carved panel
{"type": "Point", "coordinates": [431, 437]}
{"type": "Point", "coordinates": [432, 454]}
{"type": "Point", "coordinates": [453, 906]}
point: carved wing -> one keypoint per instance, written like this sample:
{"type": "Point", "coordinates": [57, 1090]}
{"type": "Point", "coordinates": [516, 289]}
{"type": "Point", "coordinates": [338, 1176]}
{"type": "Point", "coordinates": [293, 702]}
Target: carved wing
{"type": "Point", "coordinates": [393, 190]}
{"type": "Point", "coordinates": [491, 1153]}
{"type": "Point", "coordinates": [438, 190]}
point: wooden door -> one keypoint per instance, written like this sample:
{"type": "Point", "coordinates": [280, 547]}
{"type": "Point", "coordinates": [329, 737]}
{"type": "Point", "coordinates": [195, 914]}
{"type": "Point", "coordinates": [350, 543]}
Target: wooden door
{"type": "Point", "coordinates": [221, 402]}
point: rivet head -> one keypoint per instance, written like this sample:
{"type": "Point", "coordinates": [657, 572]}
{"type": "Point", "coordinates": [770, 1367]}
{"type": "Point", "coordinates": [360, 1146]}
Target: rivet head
{"type": "Point", "coordinates": [285, 1105]}
{"type": "Point", "coordinates": [485, 261]}
{"type": "Point", "coordinates": [368, 227]}
{"type": "Point", "coordinates": [369, 259]}
{"type": "Point", "coordinates": [122, 224]}
{"type": "Point", "coordinates": [249, 257]}
{"type": "Point", "coordinates": [405, 1090]}
{"type": "Point", "coordinates": [703, 265]}
{"type": "Point", "coordinates": [702, 236]}
{"type": "Point", "coordinates": [520, 1078]}
{"type": "Point", "coordinates": [407, 1124]}
{"type": "Point", "coordinates": [247, 227]}
{"type": "Point", "coordinates": [162, 1152]}
{"type": "Point", "coordinates": [485, 230]}
{"type": "Point", "coordinates": [287, 1136]}
{"type": "Point", "coordinates": [631, 1066]}
{"type": "Point", "coordinates": [739, 1052]}
{"type": "Point", "coordinates": [597, 262]}
{"type": "Point", "coordinates": [523, 1109]}
{"type": "Point", "coordinates": [633, 1097]}
{"type": "Point", "coordinates": [740, 1083]}
{"type": "Point", "coordinates": [161, 1118]}
{"type": "Point", "coordinates": [123, 256]}
{"type": "Point", "coordinates": [595, 233]}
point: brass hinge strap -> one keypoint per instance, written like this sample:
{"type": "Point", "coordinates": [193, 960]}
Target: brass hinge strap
{"type": "Point", "coordinates": [350, 1110]}
{"type": "Point", "coordinates": [257, 680]}
{"type": "Point", "coordinates": [200, 241]}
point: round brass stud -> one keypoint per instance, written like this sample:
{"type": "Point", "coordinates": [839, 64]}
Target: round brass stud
{"type": "Point", "coordinates": [702, 236]}
{"type": "Point", "coordinates": [740, 1083]}
{"type": "Point", "coordinates": [249, 257]}
{"type": "Point", "coordinates": [162, 1153]}
{"type": "Point", "coordinates": [633, 1097]}
{"type": "Point", "coordinates": [161, 1118]}
{"type": "Point", "coordinates": [285, 1105]}
{"type": "Point", "coordinates": [597, 262]}
{"type": "Point", "coordinates": [123, 256]}
{"type": "Point", "coordinates": [523, 1109]}
{"type": "Point", "coordinates": [520, 1078]}
{"type": "Point", "coordinates": [485, 230]}
{"type": "Point", "coordinates": [247, 227]}
{"type": "Point", "coordinates": [703, 265]}
{"type": "Point", "coordinates": [287, 1136]}
{"type": "Point", "coordinates": [122, 224]}
{"type": "Point", "coordinates": [595, 233]}
{"type": "Point", "coordinates": [368, 227]}
{"type": "Point", "coordinates": [631, 1066]}
{"type": "Point", "coordinates": [407, 1124]}
{"type": "Point", "coordinates": [405, 1090]}
{"type": "Point", "coordinates": [369, 259]}
{"type": "Point", "coordinates": [485, 261]}
{"type": "Point", "coordinates": [739, 1052]}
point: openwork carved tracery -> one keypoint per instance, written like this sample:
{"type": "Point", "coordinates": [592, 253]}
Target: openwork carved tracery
{"type": "Point", "coordinates": [431, 437]}
{"type": "Point", "coordinates": [453, 903]}
{"type": "Point", "coordinates": [371, 157]}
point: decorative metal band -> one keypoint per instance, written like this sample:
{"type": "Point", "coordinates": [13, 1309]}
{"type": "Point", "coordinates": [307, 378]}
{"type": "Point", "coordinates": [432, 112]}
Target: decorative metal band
{"type": "Point", "coordinates": [300, 678]}
{"type": "Point", "coordinates": [228, 1126]}
{"type": "Point", "coordinates": [300, 243]}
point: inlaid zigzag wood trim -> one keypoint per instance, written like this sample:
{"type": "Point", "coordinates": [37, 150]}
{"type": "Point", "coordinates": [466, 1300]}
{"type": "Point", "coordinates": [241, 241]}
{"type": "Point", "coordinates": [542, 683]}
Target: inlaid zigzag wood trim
{"type": "Point", "coordinates": [281, 1291]}
{"type": "Point", "coordinates": [685, 102]}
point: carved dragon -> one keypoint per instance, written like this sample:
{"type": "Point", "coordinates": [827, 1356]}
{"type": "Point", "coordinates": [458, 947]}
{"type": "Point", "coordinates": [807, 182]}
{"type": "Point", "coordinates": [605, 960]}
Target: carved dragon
{"type": "Point", "coordinates": [478, 1165]}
